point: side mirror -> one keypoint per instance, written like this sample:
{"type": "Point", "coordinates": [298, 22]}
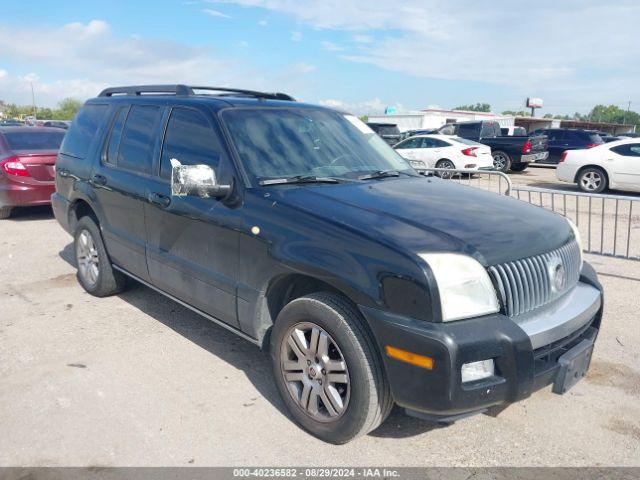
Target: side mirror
{"type": "Point", "coordinates": [196, 181]}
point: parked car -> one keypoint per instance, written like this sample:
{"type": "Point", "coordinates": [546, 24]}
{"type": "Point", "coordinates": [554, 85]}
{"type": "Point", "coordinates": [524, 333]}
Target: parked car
{"type": "Point", "coordinates": [628, 135]}
{"type": "Point", "coordinates": [411, 133]}
{"type": "Point", "coordinates": [611, 165]}
{"type": "Point", "coordinates": [27, 159]}
{"type": "Point", "coordinates": [563, 139]}
{"type": "Point", "coordinates": [303, 232]}
{"type": "Point", "coordinates": [512, 130]}
{"type": "Point", "coordinates": [56, 123]}
{"type": "Point", "coordinates": [509, 153]}
{"type": "Point", "coordinates": [389, 132]}
{"type": "Point", "coordinates": [444, 151]}
{"type": "Point", "coordinates": [11, 122]}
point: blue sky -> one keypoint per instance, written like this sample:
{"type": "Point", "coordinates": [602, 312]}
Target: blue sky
{"type": "Point", "coordinates": [357, 55]}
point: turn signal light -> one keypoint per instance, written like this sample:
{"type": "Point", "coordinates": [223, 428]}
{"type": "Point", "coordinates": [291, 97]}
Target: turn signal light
{"type": "Point", "coordinates": [564, 156]}
{"type": "Point", "coordinates": [409, 357]}
{"type": "Point", "coordinates": [526, 148]}
{"type": "Point", "coordinates": [13, 166]}
{"type": "Point", "coordinates": [591, 145]}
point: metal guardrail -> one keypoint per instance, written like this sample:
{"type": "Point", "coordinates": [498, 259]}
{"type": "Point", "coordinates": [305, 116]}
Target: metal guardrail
{"type": "Point", "coordinates": [609, 224]}
{"type": "Point", "coordinates": [491, 180]}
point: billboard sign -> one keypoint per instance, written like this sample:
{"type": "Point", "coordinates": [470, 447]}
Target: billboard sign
{"type": "Point", "coordinates": [533, 102]}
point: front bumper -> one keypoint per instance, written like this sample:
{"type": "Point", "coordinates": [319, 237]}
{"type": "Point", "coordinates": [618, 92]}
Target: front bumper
{"type": "Point", "coordinates": [525, 353]}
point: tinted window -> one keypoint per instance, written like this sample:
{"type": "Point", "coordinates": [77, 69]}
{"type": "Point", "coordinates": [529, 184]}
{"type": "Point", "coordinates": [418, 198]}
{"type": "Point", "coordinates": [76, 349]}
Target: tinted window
{"type": "Point", "coordinates": [467, 130]}
{"type": "Point", "coordinates": [628, 150]}
{"type": "Point", "coordinates": [490, 129]}
{"type": "Point", "coordinates": [35, 140]}
{"type": "Point", "coordinates": [555, 134]}
{"type": "Point", "coordinates": [111, 155]}
{"type": "Point", "coordinates": [411, 143]}
{"type": "Point", "coordinates": [189, 139]}
{"type": "Point", "coordinates": [437, 143]}
{"type": "Point", "coordinates": [136, 146]}
{"type": "Point", "coordinates": [83, 129]}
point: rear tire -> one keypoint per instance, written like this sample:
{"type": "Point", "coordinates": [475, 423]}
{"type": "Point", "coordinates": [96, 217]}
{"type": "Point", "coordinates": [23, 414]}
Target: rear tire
{"type": "Point", "coordinates": [95, 273]}
{"type": "Point", "coordinates": [445, 163]}
{"type": "Point", "coordinates": [592, 180]}
{"type": "Point", "coordinates": [519, 167]}
{"type": "Point", "coordinates": [5, 212]}
{"type": "Point", "coordinates": [308, 376]}
{"type": "Point", "coordinates": [501, 161]}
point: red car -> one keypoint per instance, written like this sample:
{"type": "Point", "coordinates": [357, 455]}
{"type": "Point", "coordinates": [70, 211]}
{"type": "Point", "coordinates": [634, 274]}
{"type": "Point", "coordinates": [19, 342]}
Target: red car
{"type": "Point", "coordinates": [27, 166]}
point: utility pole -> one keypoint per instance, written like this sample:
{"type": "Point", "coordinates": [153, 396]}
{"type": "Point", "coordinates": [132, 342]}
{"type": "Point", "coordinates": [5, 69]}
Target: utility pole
{"type": "Point", "coordinates": [624, 118]}
{"type": "Point", "coordinates": [33, 100]}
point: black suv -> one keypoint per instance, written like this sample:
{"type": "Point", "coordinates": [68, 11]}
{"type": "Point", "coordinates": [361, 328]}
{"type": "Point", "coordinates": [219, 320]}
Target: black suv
{"type": "Point", "coordinates": [562, 139]}
{"type": "Point", "coordinates": [299, 229]}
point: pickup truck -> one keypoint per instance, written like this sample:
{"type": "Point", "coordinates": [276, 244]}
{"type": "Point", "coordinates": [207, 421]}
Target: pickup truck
{"type": "Point", "coordinates": [513, 152]}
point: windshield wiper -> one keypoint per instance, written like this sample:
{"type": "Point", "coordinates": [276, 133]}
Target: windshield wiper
{"type": "Point", "coordinates": [380, 174]}
{"type": "Point", "coordinates": [298, 179]}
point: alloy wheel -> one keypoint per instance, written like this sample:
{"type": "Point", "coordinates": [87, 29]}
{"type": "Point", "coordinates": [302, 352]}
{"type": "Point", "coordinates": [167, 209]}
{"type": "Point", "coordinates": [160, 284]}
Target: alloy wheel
{"type": "Point", "coordinates": [87, 257]}
{"type": "Point", "coordinates": [448, 165]}
{"type": "Point", "coordinates": [499, 162]}
{"type": "Point", "coordinates": [591, 181]}
{"type": "Point", "coordinates": [315, 372]}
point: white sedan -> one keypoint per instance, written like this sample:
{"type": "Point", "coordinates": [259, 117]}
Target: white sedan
{"type": "Point", "coordinates": [611, 165]}
{"type": "Point", "coordinates": [444, 151]}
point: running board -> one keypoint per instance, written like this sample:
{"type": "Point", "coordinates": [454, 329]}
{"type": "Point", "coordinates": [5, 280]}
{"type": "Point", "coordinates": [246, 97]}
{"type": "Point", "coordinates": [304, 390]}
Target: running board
{"type": "Point", "coordinates": [194, 309]}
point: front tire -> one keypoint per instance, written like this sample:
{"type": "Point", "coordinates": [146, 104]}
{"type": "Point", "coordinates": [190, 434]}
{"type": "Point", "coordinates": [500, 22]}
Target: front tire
{"type": "Point", "coordinates": [501, 161]}
{"type": "Point", "coordinates": [592, 180]}
{"type": "Point", "coordinates": [95, 273]}
{"type": "Point", "coordinates": [327, 368]}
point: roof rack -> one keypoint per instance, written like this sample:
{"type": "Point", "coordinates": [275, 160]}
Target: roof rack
{"type": "Point", "coordinates": [186, 90]}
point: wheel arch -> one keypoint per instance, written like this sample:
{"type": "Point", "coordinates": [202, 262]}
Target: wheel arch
{"type": "Point", "coordinates": [285, 288]}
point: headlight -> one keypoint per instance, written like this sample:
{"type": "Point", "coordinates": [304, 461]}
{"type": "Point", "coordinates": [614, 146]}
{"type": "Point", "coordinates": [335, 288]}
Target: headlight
{"type": "Point", "coordinates": [576, 234]}
{"type": "Point", "coordinates": [464, 285]}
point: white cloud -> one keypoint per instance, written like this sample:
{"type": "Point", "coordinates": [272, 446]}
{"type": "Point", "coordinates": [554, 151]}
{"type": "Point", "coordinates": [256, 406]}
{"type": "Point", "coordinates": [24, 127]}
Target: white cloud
{"type": "Point", "coordinates": [61, 66]}
{"type": "Point", "coordinates": [331, 47]}
{"type": "Point", "coordinates": [296, 36]}
{"type": "Point", "coordinates": [543, 49]}
{"type": "Point", "coordinates": [374, 106]}
{"type": "Point", "coordinates": [215, 13]}
{"type": "Point", "coordinates": [263, 23]}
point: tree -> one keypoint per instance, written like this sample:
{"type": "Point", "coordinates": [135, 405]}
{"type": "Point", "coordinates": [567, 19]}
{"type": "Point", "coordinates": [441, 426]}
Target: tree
{"type": "Point", "coordinates": [67, 109]}
{"type": "Point", "coordinates": [519, 113]}
{"type": "Point", "coordinates": [478, 107]}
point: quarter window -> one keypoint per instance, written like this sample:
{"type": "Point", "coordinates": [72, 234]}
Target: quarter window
{"type": "Point", "coordinates": [78, 139]}
{"type": "Point", "coordinates": [411, 143]}
{"type": "Point", "coordinates": [190, 140]}
{"type": "Point", "coordinates": [136, 146]}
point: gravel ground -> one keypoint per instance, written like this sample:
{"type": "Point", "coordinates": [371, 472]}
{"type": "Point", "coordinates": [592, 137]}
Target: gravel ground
{"type": "Point", "coordinates": [136, 379]}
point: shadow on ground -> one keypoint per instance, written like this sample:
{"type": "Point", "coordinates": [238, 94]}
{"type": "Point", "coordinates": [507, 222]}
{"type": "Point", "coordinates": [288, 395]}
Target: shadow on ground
{"type": "Point", "coordinates": [239, 353]}
{"type": "Point", "coordinates": [21, 214]}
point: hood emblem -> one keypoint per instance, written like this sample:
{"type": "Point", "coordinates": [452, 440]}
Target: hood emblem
{"type": "Point", "coordinates": [557, 274]}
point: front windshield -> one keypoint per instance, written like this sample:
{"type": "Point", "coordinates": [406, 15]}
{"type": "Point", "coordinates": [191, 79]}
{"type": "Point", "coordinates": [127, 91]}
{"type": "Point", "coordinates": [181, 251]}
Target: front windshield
{"type": "Point", "coordinates": [289, 142]}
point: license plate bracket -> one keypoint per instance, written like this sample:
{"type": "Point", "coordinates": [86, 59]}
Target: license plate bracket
{"type": "Point", "coordinates": [573, 366]}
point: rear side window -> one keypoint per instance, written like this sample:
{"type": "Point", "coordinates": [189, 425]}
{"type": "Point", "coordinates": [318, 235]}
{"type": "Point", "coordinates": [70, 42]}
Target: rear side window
{"type": "Point", "coordinates": [82, 131]}
{"type": "Point", "coordinates": [410, 143]}
{"type": "Point", "coordinates": [190, 140]}
{"type": "Point", "coordinates": [490, 129]}
{"type": "Point", "coordinates": [35, 140]}
{"type": "Point", "coordinates": [136, 146]}
{"type": "Point", "coordinates": [628, 150]}
{"type": "Point", "coordinates": [595, 138]}
{"type": "Point", "coordinates": [470, 130]}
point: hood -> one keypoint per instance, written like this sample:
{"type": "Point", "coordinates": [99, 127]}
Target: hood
{"type": "Point", "coordinates": [433, 215]}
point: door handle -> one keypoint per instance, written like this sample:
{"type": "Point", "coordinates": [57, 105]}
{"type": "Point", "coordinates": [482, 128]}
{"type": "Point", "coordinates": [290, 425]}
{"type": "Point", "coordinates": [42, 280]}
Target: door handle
{"type": "Point", "coordinates": [159, 199]}
{"type": "Point", "coordinates": [99, 179]}
{"type": "Point", "coordinates": [63, 172]}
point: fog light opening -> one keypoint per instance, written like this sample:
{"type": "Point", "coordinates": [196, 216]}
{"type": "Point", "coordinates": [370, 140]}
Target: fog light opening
{"type": "Point", "coordinates": [473, 371]}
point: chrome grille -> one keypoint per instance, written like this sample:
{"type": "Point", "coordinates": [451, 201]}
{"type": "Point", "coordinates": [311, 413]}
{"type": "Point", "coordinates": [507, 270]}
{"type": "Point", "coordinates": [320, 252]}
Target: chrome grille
{"type": "Point", "coordinates": [525, 284]}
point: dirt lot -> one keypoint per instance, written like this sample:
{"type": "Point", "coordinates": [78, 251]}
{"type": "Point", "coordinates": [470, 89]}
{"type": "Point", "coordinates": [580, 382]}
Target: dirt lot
{"type": "Point", "coordinates": [136, 379]}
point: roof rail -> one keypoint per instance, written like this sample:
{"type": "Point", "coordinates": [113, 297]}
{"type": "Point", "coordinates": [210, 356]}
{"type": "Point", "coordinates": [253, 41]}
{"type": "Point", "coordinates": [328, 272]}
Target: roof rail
{"type": "Point", "coordinates": [186, 90]}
